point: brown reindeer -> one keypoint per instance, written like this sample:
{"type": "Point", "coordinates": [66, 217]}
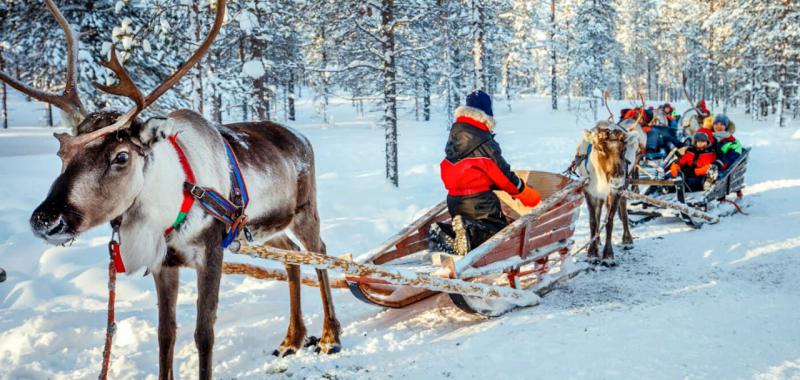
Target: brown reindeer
{"type": "Point", "coordinates": [615, 149]}
{"type": "Point", "coordinates": [117, 166]}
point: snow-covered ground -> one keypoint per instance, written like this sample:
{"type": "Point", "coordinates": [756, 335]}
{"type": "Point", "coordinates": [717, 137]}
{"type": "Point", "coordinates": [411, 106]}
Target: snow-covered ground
{"type": "Point", "coordinates": [720, 302]}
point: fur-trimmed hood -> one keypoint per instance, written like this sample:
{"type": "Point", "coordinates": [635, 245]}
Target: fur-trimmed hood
{"type": "Point", "coordinates": [476, 114]}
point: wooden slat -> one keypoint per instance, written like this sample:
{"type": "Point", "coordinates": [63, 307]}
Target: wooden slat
{"type": "Point", "coordinates": [563, 219]}
{"type": "Point", "coordinates": [509, 248]}
{"type": "Point", "coordinates": [655, 182]}
{"type": "Point", "coordinates": [514, 229]}
{"type": "Point", "coordinates": [552, 237]}
{"type": "Point", "coordinates": [562, 208]}
{"type": "Point", "coordinates": [394, 276]}
{"type": "Point", "coordinates": [410, 229]}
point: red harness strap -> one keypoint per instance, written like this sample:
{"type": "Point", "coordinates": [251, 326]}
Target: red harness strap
{"type": "Point", "coordinates": [188, 199]}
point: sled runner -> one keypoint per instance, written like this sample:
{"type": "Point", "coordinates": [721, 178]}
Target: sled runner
{"type": "Point", "coordinates": [695, 208]}
{"type": "Point", "coordinates": [532, 253]}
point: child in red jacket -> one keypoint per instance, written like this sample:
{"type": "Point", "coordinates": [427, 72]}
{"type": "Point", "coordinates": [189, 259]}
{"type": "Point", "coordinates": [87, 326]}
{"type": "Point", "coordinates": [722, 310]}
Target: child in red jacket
{"type": "Point", "coordinates": [695, 163]}
{"type": "Point", "coordinates": [472, 169]}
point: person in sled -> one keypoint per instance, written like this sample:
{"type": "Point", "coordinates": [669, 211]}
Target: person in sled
{"type": "Point", "coordinates": [672, 115]}
{"type": "Point", "coordinates": [728, 148]}
{"type": "Point", "coordinates": [662, 134]}
{"type": "Point", "coordinates": [472, 169]}
{"type": "Point", "coordinates": [696, 163]}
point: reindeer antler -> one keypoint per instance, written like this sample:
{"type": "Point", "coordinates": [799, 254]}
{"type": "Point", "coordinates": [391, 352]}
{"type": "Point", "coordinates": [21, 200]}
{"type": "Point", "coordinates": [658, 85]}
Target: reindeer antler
{"type": "Point", "coordinates": [641, 114]}
{"type": "Point", "coordinates": [686, 93]}
{"type": "Point", "coordinates": [127, 88]}
{"type": "Point", "coordinates": [68, 101]}
{"type": "Point", "coordinates": [605, 101]}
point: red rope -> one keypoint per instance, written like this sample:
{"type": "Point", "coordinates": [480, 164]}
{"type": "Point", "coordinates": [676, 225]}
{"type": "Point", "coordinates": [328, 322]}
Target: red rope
{"type": "Point", "coordinates": [111, 325]}
{"type": "Point", "coordinates": [738, 208]}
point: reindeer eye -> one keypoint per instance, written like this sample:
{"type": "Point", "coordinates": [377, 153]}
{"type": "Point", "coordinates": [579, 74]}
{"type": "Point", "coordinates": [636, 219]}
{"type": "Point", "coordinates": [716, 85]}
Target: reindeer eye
{"type": "Point", "coordinates": [121, 158]}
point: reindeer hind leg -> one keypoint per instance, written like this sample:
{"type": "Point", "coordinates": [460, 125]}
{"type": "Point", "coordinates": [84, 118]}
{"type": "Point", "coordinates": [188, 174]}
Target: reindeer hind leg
{"type": "Point", "coordinates": [306, 228]}
{"type": "Point", "coordinates": [627, 238]}
{"type": "Point", "coordinates": [295, 338]}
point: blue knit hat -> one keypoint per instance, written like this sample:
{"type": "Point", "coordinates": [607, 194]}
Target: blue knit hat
{"type": "Point", "coordinates": [722, 119]}
{"type": "Point", "coordinates": [480, 100]}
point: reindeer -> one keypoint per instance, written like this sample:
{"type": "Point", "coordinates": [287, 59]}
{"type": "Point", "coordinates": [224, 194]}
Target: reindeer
{"type": "Point", "coordinates": [119, 167]}
{"type": "Point", "coordinates": [608, 156]}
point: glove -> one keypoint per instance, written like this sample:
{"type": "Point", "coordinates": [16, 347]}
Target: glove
{"type": "Point", "coordinates": [719, 164]}
{"type": "Point", "coordinates": [674, 169]}
{"type": "Point", "coordinates": [701, 171]}
{"type": "Point", "coordinates": [528, 196]}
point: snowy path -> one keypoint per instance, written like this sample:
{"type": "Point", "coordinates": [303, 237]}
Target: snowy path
{"type": "Point", "coordinates": [716, 303]}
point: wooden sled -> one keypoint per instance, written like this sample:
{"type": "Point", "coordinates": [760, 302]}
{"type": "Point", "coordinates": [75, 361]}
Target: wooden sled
{"type": "Point", "coordinates": [531, 253]}
{"type": "Point", "coordinates": [694, 208]}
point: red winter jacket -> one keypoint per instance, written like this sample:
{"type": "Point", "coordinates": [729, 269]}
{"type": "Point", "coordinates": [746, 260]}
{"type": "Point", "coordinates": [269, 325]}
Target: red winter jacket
{"type": "Point", "coordinates": [695, 163]}
{"type": "Point", "coordinates": [474, 163]}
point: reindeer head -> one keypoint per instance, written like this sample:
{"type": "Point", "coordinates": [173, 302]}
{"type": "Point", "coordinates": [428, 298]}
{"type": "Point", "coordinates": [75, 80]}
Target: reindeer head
{"type": "Point", "coordinates": [610, 143]}
{"type": "Point", "coordinates": [98, 183]}
{"type": "Point", "coordinates": [103, 164]}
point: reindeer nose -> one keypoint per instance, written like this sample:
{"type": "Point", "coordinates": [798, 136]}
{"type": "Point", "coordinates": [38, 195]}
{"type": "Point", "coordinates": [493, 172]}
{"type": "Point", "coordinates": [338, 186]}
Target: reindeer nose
{"type": "Point", "coordinates": [44, 225]}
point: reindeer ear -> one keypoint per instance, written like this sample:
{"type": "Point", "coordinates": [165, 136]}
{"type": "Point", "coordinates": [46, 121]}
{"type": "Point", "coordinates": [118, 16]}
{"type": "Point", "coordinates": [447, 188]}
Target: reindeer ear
{"type": "Point", "coordinates": [587, 135]}
{"type": "Point", "coordinates": [152, 131]}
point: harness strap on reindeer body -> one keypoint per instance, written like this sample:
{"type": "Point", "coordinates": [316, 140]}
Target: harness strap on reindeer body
{"type": "Point", "coordinates": [229, 211]}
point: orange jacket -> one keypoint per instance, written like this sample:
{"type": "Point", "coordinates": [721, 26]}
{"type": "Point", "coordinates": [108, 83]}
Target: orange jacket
{"type": "Point", "coordinates": [694, 162]}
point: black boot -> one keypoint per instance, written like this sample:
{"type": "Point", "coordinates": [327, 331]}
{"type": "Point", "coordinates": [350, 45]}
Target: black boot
{"type": "Point", "coordinates": [439, 240]}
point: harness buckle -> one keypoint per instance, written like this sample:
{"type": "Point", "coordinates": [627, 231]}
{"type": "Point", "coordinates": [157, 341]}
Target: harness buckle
{"type": "Point", "coordinates": [197, 192]}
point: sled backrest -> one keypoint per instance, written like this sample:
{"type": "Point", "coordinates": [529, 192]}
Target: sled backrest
{"type": "Point", "coordinates": [545, 183]}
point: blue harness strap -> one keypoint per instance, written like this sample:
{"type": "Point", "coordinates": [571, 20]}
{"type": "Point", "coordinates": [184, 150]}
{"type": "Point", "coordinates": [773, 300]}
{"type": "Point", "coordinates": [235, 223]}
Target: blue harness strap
{"type": "Point", "coordinates": [229, 211]}
{"type": "Point", "coordinates": [586, 158]}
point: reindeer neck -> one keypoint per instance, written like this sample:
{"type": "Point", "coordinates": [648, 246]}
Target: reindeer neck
{"type": "Point", "coordinates": [159, 203]}
{"type": "Point", "coordinates": [599, 186]}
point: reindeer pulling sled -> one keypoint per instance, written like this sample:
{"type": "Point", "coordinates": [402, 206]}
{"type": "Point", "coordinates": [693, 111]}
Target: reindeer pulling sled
{"type": "Point", "coordinates": [662, 196]}
{"type": "Point", "coordinates": [670, 198]}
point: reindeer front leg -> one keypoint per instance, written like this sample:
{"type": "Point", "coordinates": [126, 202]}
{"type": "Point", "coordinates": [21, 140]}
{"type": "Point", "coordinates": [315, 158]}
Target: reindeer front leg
{"type": "Point", "coordinates": [594, 217]}
{"type": "Point", "coordinates": [208, 279]}
{"type": "Point", "coordinates": [627, 239]}
{"type": "Point", "coordinates": [608, 249]}
{"type": "Point", "coordinates": [296, 333]}
{"type": "Point", "coordinates": [167, 291]}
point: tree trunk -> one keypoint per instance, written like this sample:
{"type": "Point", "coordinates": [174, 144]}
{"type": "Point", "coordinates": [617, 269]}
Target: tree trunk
{"type": "Point", "coordinates": [245, 113]}
{"type": "Point", "coordinates": [478, 46]}
{"type": "Point", "coordinates": [426, 99]}
{"type": "Point", "coordinates": [49, 115]}
{"type": "Point", "coordinates": [197, 83]}
{"type": "Point", "coordinates": [290, 88]}
{"type": "Point", "coordinates": [5, 92]}
{"type": "Point", "coordinates": [416, 94]}
{"type": "Point", "coordinates": [507, 82]}
{"type": "Point", "coordinates": [216, 99]}
{"type": "Point", "coordinates": [553, 80]}
{"type": "Point", "coordinates": [649, 80]}
{"type": "Point", "coordinates": [390, 90]}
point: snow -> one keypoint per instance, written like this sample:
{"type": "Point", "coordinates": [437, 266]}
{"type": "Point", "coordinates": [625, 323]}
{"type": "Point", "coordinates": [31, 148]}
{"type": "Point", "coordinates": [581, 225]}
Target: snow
{"type": "Point", "coordinates": [247, 21]}
{"type": "Point", "coordinates": [720, 302]}
{"type": "Point", "coordinates": [253, 68]}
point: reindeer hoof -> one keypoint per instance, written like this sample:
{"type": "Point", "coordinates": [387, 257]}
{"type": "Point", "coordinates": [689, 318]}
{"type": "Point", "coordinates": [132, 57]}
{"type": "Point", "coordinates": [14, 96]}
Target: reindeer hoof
{"type": "Point", "coordinates": [287, 349]}
{"type": "Point", "coordinates": [609, 263]}
{"type": "Point", "coordinates": [328, 348]}
{"type": "Point", "coordinates": [593, 260]}
{"type": "Point", "coordinates": [311, 341]}
{"type": "Point", "coordinates": [627, 246]}
{"type": "Point", "coordinates": [283, 352]}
